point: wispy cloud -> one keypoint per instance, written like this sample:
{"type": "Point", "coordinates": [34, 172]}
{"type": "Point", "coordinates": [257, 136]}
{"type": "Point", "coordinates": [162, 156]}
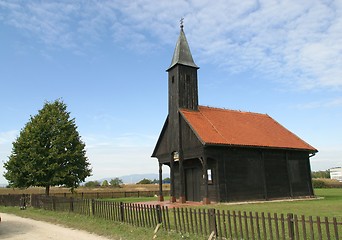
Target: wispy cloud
{"type": "Point", "coordinates": [8, 137]}
{"type": "Point", "coordinates": [329, 103]}
{"type": "Point", "coordinates": [115, 155]}
{"type": "Point", "coordinates": [126, 140]}
{"type": "Point", "coordinates": [297, 42]}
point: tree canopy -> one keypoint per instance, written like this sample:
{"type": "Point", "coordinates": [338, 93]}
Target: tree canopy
{"type": "Point", "coordinates": [105, 183]}
{"type": "Point", "coordinates": [92, 184]}
{"type": "Point", "coordinates": [145, 181]}
{"type": "Point", "coordinates": [116, 182]}
{"type": "Point", "coordinates": [48, 151]}
{"type": "Point", "coordinates": [320, 174]}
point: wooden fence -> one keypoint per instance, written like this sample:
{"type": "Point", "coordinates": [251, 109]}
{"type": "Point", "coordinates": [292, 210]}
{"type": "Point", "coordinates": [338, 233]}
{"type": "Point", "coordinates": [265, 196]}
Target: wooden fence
{"type": "Point", "coordinates": [114, 194]}
{"type": "Point", "coordinates": [15, 200]}
{"type": "Point", "coordinates": [202, 222]}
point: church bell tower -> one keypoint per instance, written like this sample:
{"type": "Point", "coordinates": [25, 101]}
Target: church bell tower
{"type": "Point", "coordinates": [182, 78]}
{"type": "Point", "coordinates": [183, 94]}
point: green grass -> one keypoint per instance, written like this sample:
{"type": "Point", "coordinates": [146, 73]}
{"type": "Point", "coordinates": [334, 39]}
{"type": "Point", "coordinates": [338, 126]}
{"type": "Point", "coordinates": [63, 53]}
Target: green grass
{"type": "Point", "coordinates": [112, 230]}
{"type": "Point", "coordinates": [329, 204]}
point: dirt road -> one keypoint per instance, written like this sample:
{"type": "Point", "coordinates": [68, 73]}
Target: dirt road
{"type": "Point", "coordinates": [18, 228]}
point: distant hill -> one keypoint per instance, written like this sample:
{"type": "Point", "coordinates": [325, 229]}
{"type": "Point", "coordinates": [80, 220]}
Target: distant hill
{"type": "Point", "coordinates": [134, 178]}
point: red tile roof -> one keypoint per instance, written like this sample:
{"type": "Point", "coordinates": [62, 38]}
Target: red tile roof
{"type": "Point", "coordinates": [229, 127]}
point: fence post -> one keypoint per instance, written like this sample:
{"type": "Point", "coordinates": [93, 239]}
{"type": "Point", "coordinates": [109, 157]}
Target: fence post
{"type": "Point", "coordinates": [212, 221]}
{"type": "Point", "coordinates": [53, 204]}
{"type": "Point", "coordinates": [30, 200]}
{"type": "Point", "coordinates": [159, 213]}
{"type": "Point", "coordinates": [290, 225]}
{"type": "Point", "coordinates": [71, 204]}
{"type": "Point", "coordinates": [122, 211]}
{"type": "Point", "coordinates": [92, 207]}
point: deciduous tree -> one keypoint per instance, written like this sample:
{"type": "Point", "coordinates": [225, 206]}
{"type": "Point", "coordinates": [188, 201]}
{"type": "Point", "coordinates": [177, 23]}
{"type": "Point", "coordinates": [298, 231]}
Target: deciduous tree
{"type": "Point", "coordinates": [48, 151]}
{"type": "Point", "coordinates": [116, 182]}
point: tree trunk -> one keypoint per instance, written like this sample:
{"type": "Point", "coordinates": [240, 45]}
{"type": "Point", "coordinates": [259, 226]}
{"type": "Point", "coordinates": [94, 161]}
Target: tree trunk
{"type": "Point", "coordinates": [47, 190]}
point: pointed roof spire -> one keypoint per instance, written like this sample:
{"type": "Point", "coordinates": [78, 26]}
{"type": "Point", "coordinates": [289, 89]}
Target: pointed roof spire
{"type": "Point", "coordinates": [182, 54]}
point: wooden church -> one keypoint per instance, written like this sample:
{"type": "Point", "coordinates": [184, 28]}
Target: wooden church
{"type": "Point", "coordinates": [224, 155]}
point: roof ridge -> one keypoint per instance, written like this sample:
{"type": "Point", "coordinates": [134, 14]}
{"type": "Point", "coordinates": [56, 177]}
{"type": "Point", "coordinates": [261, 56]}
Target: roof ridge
{"type": "Point", "coordinates": [213, 126]}
{"type": "Point", "coordinates": [233, 110]}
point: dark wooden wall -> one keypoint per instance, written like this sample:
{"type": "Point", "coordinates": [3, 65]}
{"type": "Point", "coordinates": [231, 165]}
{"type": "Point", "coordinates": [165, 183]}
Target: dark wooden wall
{"type": "Point", "coordinates": [238, 173]}
{"type": "Point", "coordinates": [254, 174]}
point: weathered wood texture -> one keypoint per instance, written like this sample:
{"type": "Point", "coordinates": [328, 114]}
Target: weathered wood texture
{"type": "Point", "coordinates": [245, 174]}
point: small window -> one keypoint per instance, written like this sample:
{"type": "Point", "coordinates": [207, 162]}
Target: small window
{"type": "Point", "coordinates": [173, 79]}
{"type": "Point", "coordinates": [210, 176]}
{"type": "Point", "coordinates": [187, 78]}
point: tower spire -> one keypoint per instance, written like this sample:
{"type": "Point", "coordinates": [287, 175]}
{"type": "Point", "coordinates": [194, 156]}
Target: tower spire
{"type": "Point", "coordinates": [182, 54]}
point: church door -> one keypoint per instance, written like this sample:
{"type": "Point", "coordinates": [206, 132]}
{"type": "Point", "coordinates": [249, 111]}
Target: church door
{"type": "Point", "coordinates": [193, 177]}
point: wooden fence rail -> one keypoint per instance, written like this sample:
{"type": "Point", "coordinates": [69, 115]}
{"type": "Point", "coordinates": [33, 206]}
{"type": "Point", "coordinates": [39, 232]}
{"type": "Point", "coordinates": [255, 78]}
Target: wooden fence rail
{"type": "Point", "coordinates": [113, 194]}
{"type": "Point", "coordinates": [225, 224]}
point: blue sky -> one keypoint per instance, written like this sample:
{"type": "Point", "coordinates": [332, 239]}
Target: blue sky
{"type": "Point", "coordinates": [107, 61]}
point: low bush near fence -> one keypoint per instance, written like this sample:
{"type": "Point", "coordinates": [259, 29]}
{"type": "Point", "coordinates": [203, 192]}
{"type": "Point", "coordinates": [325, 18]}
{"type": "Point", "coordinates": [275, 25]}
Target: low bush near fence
{"type": "Point", "coordinates": [326, 183]}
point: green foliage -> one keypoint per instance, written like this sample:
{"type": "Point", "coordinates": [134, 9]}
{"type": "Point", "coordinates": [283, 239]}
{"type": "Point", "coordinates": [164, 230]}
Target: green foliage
{"type": "Point", "coordinates": [155, 181]}
{"type": "Point", "coordinates": [167, 180]}
{"type": "Point", "coordinates": [145, 181]}
{"type": "Point", "coordinates": [105, 183]}
{"type": "Point", "coordinates": [316, 183]}
{"type": "Point", "coordinates": [116, 182]}
{"type": "Point", "coordinates": [321, 174]}
{"type": "Point", "coordinates": [48, 151]}
{"type": "Point", "coordinates": [92, 184]}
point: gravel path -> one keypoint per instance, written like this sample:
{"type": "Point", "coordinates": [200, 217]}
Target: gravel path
{"type": "Point", "coordinates": [17, 228]}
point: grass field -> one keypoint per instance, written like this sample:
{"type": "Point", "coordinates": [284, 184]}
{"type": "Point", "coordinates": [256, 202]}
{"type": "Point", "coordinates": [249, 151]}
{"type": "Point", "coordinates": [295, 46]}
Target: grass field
{"type": "Point", "coordinates": [327, 204]}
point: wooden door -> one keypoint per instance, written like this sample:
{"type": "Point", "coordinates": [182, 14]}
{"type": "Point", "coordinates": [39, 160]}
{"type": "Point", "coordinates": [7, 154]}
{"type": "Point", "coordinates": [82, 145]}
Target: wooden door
{"type": "Point", "coordinates": [193, 177]}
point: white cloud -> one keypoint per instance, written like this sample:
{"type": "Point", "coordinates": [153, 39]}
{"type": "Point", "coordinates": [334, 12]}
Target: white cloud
{"type": "Point", "coordinates": [8, 137]}
{"type": "Point", "coordinates": [327, 103]}
{"type": "Point", "coordinates": [327, 157]}
{"type": "Point", "coordinates": [128, 153]}
{"type": "Point", "coordinates": [117, 156]}
{"type": "Point", "coordinates": [297, 42]}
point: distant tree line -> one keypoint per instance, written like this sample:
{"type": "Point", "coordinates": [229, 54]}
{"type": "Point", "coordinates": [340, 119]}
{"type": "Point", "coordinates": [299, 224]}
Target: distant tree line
{"type": "Point", "coordinates": [320, 174]}
{"type": "Point", "coordinates": [154, 181]}
{"type": "Point", "coordinates": [117, 182]}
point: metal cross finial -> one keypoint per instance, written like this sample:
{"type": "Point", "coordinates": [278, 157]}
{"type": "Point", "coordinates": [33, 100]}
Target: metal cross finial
{"type": "Point", "coordinates": [181, 22]}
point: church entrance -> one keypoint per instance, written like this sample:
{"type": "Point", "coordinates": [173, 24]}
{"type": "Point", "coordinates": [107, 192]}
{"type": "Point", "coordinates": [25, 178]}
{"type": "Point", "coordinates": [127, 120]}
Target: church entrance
{"type": "Point", "coordinates": [193, 177]}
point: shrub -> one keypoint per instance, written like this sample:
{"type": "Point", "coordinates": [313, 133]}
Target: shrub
{"type": "Point", "coordinates": [326, 183]}
{"type": "Point", "coordinates": [116, 182]}
{"type": "Point", "coordinates": [317, 183]}
{"type": "Point", "coordinates": [105, 183]}
{"type": "Point", "coordinates": [92, 184]}
{"type": "Point", "coordinates": [145, 181]}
